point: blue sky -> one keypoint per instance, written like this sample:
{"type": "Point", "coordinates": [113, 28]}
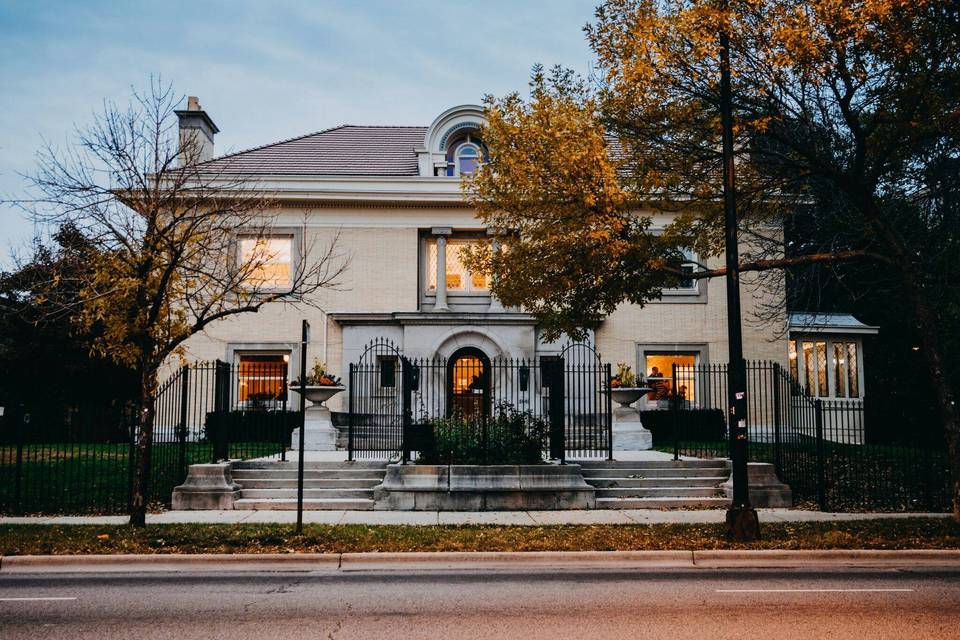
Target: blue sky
{"type": "Point", "coordinates": [264, 70]}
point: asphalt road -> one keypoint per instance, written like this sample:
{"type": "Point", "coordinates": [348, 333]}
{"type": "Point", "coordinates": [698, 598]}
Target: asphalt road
{"type": "Point", "coordinates": [702, 604]}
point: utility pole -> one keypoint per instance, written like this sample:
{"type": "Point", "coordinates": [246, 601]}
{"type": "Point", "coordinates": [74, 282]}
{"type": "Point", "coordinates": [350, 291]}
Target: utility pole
{"type": "Point", "coordinates": [742, 522]}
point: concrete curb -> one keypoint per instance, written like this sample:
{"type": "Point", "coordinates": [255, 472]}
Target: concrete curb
{"type": "Point", "coordinates": [169, 562]}
{"type": "Point", "coordinates": [516, 559]}
{"type": "Point", "coordinates": [827, 558]}
{"type": "Point", "coordinates": [481, 561]}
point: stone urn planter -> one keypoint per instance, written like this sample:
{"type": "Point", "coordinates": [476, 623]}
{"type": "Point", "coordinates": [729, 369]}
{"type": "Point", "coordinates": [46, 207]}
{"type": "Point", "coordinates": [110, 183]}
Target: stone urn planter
{"type": "Point", "coordinates": [319, 433]}
{"type": "Point", "coordinates": [626, 396]}
{"type": "Point", "coordinates": [628, 431]}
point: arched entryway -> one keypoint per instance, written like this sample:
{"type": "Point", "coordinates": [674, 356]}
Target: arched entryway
{"type": "Point", "coordinates": [468, 383]}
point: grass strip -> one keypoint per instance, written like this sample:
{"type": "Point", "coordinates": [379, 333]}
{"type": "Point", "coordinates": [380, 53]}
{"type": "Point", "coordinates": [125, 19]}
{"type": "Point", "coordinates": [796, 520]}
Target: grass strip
{"type": "Point", "coordinates": [913, 533]}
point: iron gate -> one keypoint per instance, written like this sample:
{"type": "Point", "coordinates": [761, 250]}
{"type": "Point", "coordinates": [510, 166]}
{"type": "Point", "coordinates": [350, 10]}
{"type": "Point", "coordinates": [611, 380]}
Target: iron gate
{"type": "Point", "coordinates": [392, 397]}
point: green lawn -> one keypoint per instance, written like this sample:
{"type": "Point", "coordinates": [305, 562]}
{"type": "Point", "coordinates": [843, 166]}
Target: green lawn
{"type": "Point", "coordinates": [913, 533]}
{"type": "Point", "coordinates": [95, 478]}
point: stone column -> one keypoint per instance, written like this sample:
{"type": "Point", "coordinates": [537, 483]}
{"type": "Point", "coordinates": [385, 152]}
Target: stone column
{"type": "Point", "coordinates": [495, 305]}
{"type": "Point", "coordinates": [441, 233]}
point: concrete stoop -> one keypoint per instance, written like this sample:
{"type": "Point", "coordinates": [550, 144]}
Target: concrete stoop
{"type": "Point", "coordinates": [367, 485]}
{"type": "Point", "coordinates": [659, 484]}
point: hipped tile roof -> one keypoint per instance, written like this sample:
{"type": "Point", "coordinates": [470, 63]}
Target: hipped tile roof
{"type": "Point", "coordinates": [347, 150]}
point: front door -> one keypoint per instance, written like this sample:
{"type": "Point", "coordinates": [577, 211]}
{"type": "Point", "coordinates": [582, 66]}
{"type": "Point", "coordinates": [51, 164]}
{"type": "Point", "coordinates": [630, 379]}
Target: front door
{"type": "Point", "coordinates": [468, 383]}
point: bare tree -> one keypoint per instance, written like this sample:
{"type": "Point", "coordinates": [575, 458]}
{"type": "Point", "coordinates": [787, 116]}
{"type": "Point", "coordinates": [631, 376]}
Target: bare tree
{"type": "Point", "coordinates": [165, 230]}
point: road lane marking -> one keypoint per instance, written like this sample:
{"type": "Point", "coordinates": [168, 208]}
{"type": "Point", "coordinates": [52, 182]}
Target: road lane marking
{"type": "Point", "coordinates": [813, 590]}
{"type": "Point", "coordinates": [38, 599]}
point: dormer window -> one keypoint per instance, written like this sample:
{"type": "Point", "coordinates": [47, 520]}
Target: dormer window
{"type": "Point", "coordinates": [468, 156]}
{"type": "Point", "coordinates": [464, 156]}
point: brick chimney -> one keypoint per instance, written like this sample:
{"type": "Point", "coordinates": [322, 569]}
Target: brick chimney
{"type": "Point", "coordinates": [196, 133]}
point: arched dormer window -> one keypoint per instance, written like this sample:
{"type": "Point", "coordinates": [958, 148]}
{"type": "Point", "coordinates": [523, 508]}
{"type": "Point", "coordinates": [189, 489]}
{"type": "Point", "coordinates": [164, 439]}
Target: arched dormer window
{"type": "Point", "coordinates": [464, 156]}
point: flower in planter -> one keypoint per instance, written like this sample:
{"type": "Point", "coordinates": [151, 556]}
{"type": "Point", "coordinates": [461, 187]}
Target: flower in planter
{"type": "Point", "coordinates": [318, 377]}
{"type": "Point", "coordinates": [624, 378]}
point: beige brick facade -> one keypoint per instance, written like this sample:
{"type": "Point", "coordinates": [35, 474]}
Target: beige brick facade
{"type": "Point", "coordinates": [382, 245]}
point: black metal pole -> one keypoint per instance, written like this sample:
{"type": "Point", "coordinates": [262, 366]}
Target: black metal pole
{"type": "Point", "coordinates": [19, 419]}
{"type": "Point", "coordinates": [742, 521]}
{"type": "Point", "coordinates": [675, 412]}
{"type": "Point", "coordinates": [304, 338]}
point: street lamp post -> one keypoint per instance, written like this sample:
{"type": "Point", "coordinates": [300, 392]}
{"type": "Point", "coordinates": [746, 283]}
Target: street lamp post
{"type": "Point", "coordinates": [304, 340]}
{"type": "Point", "coordinates": [742, 521]}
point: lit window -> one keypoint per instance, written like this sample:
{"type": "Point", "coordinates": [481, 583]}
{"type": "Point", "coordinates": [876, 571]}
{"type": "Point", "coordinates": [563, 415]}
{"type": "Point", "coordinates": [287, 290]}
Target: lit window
{"type": "Point", "coordinates": [459, 278]}
{"type": "Point", "coordinates": [822, 388]}
{"type": "Point", "coordinates": [809, 366]}
{"type": "Point", "coordinates": [262, 379]}
{"type": "Point", "coordinates": [838, 378]}
{"type": "Point", "coordinates": [659, 369]}
{"type": "Point", "coordinates": [852, 375]}
{"type": "Point", "coordinates": [794, 365]}
{"type": "Point", "coordinates": [267, 261]}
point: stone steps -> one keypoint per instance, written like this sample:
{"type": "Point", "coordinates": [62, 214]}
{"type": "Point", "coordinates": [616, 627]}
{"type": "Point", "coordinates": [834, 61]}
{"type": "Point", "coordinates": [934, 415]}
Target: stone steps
{"type": "Point", "coordinates": [308, 474]}
{"type": "Point", "coordinates": [326, 485]}
{"type": "Point", "coordinates": [290, 504]}
{"type": "Point", "coordinates": [659, 472]}
{"type": "Point", "coordinates": [653, 464]}
{"type": "Point", "coordinates": [316, 483]}
{"type": "Point", "coordinates": [291, 465]}
{"type": "Point", "coordinates": [659, 492]}
{"type": "Point", "coordinates": [651, 483]}
{"type": "Point", "coordinates": [308, 492]}
{"type": "Point", "coordinates": [663, 503]}
{"type": "Point", "coordinates": [659, 484]}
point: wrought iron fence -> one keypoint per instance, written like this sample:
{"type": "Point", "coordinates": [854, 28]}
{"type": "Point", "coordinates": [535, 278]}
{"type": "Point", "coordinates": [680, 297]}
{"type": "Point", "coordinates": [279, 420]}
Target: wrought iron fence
{"type": "Point", "coordinates": [83, 461]}
{"type": "Point", "coordinates": [823, 448]}
{"type": "Point", "coordinates": [395, 402]}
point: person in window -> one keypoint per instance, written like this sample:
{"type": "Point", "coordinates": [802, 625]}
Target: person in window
{"type": "Point", "coordinates": [476, 385]}
{"type": "Point", "coordinates": [661, 388]}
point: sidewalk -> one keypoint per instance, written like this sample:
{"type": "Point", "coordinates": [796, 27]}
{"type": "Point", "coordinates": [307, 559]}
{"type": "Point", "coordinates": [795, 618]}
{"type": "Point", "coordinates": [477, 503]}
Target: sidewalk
{"type": "Point", "coordinates": [423, 518]}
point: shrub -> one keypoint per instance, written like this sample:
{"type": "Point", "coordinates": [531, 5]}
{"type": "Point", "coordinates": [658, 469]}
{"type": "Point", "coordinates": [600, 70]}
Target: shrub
{"type": "Point", "coordinates": [509, 437]}
{"type": "Point", "coordinates": [706, 425]}
{"type": "Point", "coordinates": [252, 426]}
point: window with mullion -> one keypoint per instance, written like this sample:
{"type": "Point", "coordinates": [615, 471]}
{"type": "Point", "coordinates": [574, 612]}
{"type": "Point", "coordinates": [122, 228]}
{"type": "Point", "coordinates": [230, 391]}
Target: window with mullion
{"type": "Point", "coordinates": [459, 279]}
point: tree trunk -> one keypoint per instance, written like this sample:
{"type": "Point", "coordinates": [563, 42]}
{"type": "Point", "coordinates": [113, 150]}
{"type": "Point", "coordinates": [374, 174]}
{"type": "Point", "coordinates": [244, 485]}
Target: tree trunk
{"type": "Point", "coordinates": [141, 476]}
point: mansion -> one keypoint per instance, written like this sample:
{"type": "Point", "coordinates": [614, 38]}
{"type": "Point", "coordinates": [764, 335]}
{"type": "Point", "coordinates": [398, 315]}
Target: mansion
{"type": "Point", "coordinates": [392, 197]}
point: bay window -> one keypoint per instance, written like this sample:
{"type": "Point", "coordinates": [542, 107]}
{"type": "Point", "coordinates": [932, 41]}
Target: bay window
{"type": "Point", "coordinates": [826, 367]}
